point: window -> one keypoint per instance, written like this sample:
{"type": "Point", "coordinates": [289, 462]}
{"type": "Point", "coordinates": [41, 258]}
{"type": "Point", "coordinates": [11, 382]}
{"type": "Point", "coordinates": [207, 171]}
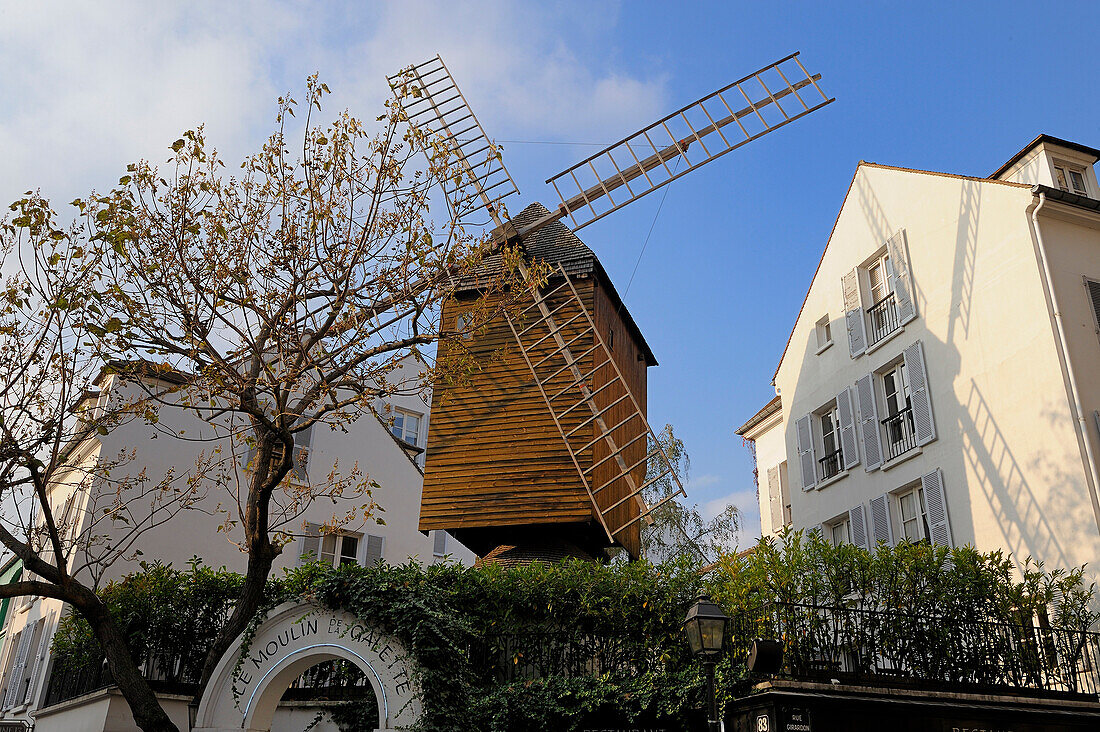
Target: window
{"type": "Point", "coordinates": [1070, 179]}
{"type": "Point", "coordinates": [898, 424]}
{"type": "Point", "coordinates": [340, 549]}
{"type": "Point", "coordinates": [832, 460]}
{"type": "Point", "coordinates": [463, 324]}
{"type": "Point", "coordinates": [406, 426]}
{"type": "Point", "coordinates": [302, 441]}
{"type": "Point", "coordinates": [883, 313]}
{"type": "Point", "coordinates": [840, 532]}
{"type": "Point", "coordinates": [824, 334]}
{"type": "Point", "coordinates": [914, 519]}
{"type": "Point", "coordinates": [439, 544]}
{"type": "Point", "coordinates": [611, 338]}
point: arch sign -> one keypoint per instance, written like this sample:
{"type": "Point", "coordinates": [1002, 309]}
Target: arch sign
{"type": "Point", "coordinates": [294, 637]}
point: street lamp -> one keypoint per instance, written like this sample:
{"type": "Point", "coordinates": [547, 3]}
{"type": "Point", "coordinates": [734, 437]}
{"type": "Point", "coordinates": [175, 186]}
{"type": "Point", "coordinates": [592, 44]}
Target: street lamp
{"type": "Point", "coordinates": [705, 627]}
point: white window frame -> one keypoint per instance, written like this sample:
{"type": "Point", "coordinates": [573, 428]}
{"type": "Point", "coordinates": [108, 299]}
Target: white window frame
{"type": "Point", "coordinates": [404, 414]}
{"type": "Point", "coordinates": [1067, 169]}
{"type": "Point", "coordinates": [828, 415]}
{"type": "Point", "coordinates": [913, 496]}
{"type": "Point", "coordinates": [336, 557]}
{"type": "Point", "coordinates": [899, 370]}
{"type": "Point", "coordinates": [824, 330]}
{"type": "Point", "coordinates": [841, 522]}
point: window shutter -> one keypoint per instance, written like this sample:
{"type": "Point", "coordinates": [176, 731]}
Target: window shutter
{"type": "Point", "coordinates": [935, 501]}
{"type": "Point", "coordinates": [311, 544]}
{"type": "Point", "coordinates": [16, 678]}
{"type": "Point", "coordinates": [805, 437]}
{"type": "Point", "coordinates": [374, 550]}
{"type": "Point", "coordinates": [902, 281]}
{"type": "Point", "coordinates": [882, 531]}
{"type": "Point", "coordinates": [43, 645]}
{"type": "Point", "coordinates": [847, 429]}
{"type": "Point", "coordinates": [868, 422]}
{"type": "Point", "coordinates": [775, 498]}
{"type": "Point", "coordinates": [857, 524]}
{"type": "Point", "coordinates": [440, 547]}
{"type": "Point", "coordinates": [918, 385]}
{"type": "Point", "coordinates": [853, 314]}
{"type": "Point", "coordinates": [819, 531]}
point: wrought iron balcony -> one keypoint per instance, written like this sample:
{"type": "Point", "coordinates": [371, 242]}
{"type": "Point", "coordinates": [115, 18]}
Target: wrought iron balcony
{"type": "Point", "coordinates": [901, 437]}
{"type": "Point", "coordinates": [830, 465]}
{"type": "Point", "coordinates": [884, 318]}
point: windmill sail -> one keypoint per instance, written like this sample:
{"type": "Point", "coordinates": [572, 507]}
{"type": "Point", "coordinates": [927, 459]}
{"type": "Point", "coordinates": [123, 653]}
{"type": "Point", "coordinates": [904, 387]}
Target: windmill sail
{"type": "Point", "coordinates": [672, 147]}
{"type": "Point", "coordinates": [599, 419]}
{"type": "Point", "coordinates": [436, 108]}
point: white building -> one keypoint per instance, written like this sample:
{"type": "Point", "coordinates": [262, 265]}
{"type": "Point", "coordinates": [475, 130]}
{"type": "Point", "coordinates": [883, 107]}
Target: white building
{"type": "Point", "coordinates": [387, 448]}
{"type": "Point", "coordinates": [942, 380]}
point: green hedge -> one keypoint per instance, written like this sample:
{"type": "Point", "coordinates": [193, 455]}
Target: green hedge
{"type": "Point", "coordinates": [445, 613]}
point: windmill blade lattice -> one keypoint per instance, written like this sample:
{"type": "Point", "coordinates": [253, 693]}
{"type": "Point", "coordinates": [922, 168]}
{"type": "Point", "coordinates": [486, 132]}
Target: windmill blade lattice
{"type": "Point", "coordinates": [755, 105]}
{"type": "Point", "coordinates": [598, 417]}
{"type": "Point", "coordinates": [435, 107]}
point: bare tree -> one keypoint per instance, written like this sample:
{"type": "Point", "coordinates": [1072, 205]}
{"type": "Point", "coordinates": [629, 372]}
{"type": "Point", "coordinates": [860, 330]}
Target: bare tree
{"type": "Point", "coordinates": [263, 304]}
{"type": "Point", "coordinates": [678, 528]}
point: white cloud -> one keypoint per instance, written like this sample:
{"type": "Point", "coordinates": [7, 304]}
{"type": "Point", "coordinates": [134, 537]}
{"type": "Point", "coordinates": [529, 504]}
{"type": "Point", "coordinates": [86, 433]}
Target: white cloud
{"type": "Point", "coordinates": [89, 87]}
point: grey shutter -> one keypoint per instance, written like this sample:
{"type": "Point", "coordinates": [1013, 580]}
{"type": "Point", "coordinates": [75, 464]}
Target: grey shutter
{"type": "Point", "coordinates": [819, 530]}
{"type": "Point", "coordinates": [853, 314]}
{"type": "Point", "coordinates": [1093, 289]}
{"type": "Point", "coordinates": [935, 501]}
{"type": "Point", "coordinates": [18, 643]}
{"type": "Point", "coordinates": [16, 678]}
{"type": "Point", "coordinates": [311, 544]}
{"type": "Point", "coordinates": [902, 280]}
{"type": "Point", "coordinates": [918, 384]}
{"type": "Point", "coordinates": [805, 438]}
{"type": "Point", "coordinates": [882, 531]}
{"type": "Point", "coordinates": [847, 429]}
{"type": "Point", "coordinates": [440, 545]}
{"type": "Point", "coordinates": [857, 525]}
{"type": "Point", "coordinates": [374, 550]}
{"type": "Point", "coordinates": [775, 498]}
{"type": "Point", "coordinates": [43, 646]}
{"type": "Point", "coordinates": [868, 422]}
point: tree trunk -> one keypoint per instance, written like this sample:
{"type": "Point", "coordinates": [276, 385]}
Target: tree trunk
{"type": "Point", "coordinates": [144, 705]}
{"type": "Point", "coordinates": [251, 597]}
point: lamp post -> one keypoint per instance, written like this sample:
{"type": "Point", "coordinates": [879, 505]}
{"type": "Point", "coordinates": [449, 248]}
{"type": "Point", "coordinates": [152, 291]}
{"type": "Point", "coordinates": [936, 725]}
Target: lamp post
{"type": "Point", "coordinates": [705, 628]}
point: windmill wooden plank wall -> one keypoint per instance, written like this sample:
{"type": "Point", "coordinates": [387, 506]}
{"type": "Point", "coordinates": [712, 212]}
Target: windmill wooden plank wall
{"type": "Point", "coordinates": [495, 457]}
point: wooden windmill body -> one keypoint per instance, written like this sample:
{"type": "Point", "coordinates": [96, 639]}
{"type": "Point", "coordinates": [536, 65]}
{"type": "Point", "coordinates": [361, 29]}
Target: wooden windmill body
{"type": "Point", "coordinates": [498, 473]}
{"type": "Point", "coordinates": [546, 451]}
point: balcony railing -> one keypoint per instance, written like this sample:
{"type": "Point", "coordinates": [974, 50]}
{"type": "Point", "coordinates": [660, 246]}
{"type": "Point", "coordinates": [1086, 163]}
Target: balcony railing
{"type": "Point", "coordinates": [884, 318]}
{"type": "Point", "coordinates": [901, 437]}
{"type": "Point", "coordinates": [830, 465]}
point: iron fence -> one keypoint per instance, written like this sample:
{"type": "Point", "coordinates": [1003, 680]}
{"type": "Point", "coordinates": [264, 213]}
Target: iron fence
{"type": "Point", "coordinates": [872, 646]}
{"type": "Point", "coordinates": [884, 318]}
{"type": "Point", "coordinates": [901, 437]}
{"type": "Point", "coordinates": [859, 644]}
{"type": "Point", "coordinates": [829, 465]}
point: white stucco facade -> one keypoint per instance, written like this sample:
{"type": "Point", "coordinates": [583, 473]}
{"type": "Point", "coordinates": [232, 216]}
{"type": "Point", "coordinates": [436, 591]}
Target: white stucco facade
{"type": "Point", "coordinates": [366, 445]}
{"type": "Point", "coordinates": [960, 387]}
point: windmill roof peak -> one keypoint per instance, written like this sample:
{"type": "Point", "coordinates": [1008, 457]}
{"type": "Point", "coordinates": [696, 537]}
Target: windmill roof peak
{"type": "Point", "coordinates": [555, 243]}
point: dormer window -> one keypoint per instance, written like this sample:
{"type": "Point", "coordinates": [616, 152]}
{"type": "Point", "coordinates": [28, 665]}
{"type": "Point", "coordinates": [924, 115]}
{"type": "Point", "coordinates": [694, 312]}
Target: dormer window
{"type": "Point", "coordinates": [1070, 179]}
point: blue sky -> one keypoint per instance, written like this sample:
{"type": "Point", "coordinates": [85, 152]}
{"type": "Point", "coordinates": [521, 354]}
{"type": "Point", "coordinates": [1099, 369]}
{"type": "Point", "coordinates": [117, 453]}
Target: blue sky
{"type": "Point", "coordinates": [955, 86]}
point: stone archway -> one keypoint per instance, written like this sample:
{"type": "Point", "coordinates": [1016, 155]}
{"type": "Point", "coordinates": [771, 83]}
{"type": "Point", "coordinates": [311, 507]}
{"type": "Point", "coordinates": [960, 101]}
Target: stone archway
{"type": "Point", "coordinates": [294, 637]}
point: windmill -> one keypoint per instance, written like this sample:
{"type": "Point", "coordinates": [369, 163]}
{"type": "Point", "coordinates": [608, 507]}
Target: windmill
{"type": "Point", "coordinates": [550, 449]}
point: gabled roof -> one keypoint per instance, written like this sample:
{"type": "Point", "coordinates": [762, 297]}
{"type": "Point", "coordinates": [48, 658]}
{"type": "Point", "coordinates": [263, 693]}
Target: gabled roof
{"type": "Point", "coordinates": [1050, 139]}
{"type": "Point", "coordinates": [555, 244]}
{"type": "Point", "coordinates": [861, 164]}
